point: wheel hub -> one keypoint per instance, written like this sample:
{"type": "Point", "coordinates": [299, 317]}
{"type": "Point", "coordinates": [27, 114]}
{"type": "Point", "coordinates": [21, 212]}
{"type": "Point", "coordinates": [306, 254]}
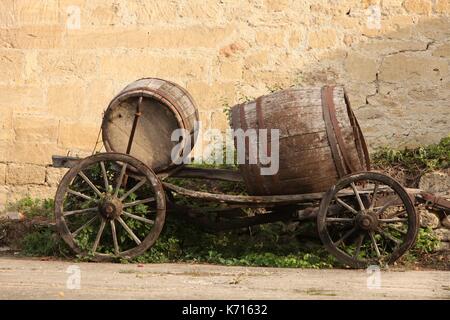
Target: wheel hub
{"type": "Point", "coordinates": [366, 221]}
{"type": "Point", "coordinates": [110, 208]}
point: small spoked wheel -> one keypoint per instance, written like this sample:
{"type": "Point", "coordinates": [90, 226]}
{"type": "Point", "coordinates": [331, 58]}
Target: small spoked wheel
{"type": "Point", "coordinates": [110, 205]}
{"type": "Point", "coordinates": [367, 219]}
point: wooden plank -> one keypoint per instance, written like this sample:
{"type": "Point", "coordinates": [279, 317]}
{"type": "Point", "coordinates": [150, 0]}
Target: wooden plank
{"type": "Point", "coordinates": [210, 174]}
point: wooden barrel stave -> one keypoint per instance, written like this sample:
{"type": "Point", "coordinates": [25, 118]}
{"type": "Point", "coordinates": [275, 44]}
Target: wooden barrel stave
{"type": "Point", "coordinates": [306, 160]}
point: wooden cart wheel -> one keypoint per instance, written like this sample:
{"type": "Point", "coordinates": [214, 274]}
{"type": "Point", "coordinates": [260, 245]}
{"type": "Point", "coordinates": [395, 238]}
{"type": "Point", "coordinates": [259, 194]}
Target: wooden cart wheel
{"type": "Point", "coordinates": [376, 225]}
{"type": "Point", "coordinates": [110, 205]}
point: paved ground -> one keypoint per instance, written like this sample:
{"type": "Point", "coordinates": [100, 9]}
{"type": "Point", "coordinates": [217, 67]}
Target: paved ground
{"type": "Point", "coordinates": [36, 279]}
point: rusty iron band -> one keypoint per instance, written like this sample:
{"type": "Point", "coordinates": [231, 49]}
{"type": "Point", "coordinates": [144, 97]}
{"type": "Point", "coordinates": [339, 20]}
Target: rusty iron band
{"type": "Point", "coordinates": [359, 137]}
{"type": "Point", "coordinates": [135, 122]}
{"type": "Point", "coordinates": [334, 137]}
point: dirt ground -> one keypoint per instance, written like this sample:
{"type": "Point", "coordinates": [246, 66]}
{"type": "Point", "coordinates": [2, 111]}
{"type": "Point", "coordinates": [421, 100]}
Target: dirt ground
{"type": "Point", "coordinates": [36, 279]}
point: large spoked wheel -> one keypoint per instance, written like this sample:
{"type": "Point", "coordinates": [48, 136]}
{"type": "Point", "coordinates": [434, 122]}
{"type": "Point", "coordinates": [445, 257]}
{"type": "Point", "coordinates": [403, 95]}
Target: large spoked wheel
{"type": "Point", "coordinates": [366, 219]}
{"type": "Point", "coordinates": [110, 205]}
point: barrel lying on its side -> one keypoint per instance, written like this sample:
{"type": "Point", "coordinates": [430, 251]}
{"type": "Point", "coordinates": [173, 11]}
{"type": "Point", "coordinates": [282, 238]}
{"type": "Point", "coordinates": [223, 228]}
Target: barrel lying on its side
{"type": "Point", "coordinates": [320, 139]}
{"type": "Point", "coordinates": [165, 107]}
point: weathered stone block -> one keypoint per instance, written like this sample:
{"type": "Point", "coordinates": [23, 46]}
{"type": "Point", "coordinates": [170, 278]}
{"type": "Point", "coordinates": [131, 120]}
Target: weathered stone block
{"type": "Point", "coordinates": [270, 38]}
{"type": "Point", "coordinates": [434, 28]}
{"type": "Point", "coordinates": [435, 182]}
{"type": "Point", "coordinates": [257, 60]}
{"type": "Point", "coordinates": [347, 22]}
{"type": "Point", "coordinates": [418, 6]}
{"type": "Point", "coordinates": [296, 38]}
{"type": "Point", "coordinates": [360, 68]}
{"type": "Point", "coordinates": [12, 64]}
{"type": "Point", "coordinates": [64, 66]}
{"type": "Point", "coordinates": [97, 13]}
{"type": "Point", "coordinates": [2, 173]}
{"type": "Point", "coordinates": [32, 37]}
{"type": "Point", "coordinates": [187, 37]}
{"type": "Point", "coordinates": [377, 47]}
{"type": "Point", "coordinates": [66, 101]}
{"type": "Point", "coordinates": [7, 18]}
{"type": "Point", "coordinates": [442, 6]}
{"type": "Point", "coordinates": [412, 68]}
{"type": "Point", "coordinates": [78, 135]}
{"type": "Point", "coordinates": [36, 13]}
{"type": "Point", "coordinates": [358, 92]}
{"type": "Point", "coordinates": [20, 174]}
{"type": "Point", "coordinates": [35, 128]}
{"type": "Point", "coordinates": [322, 39]}
{"type": "Point", "coordinates": [54, 176]}
{"type": "Point", "coordinates": [142, 65]}
{"type": "Point", "coordinates": [276, 5]}
{"type": "Point", "coordinates": [22, 98]}
{"type": "Point", "coordinates": [32, 152]}
{"type": "Point", "coordinates": [442, 51]}
{"type": "Point", "coordinates": [218, 93]}
{"type": "Point", "coordinates": [34, 191]}
{"type": "Point", "coordinates": [201, 9]}
{"type": "Point", "coordinates": [106, 37]}
{"type": "Point", "coordinates": [231, 70]}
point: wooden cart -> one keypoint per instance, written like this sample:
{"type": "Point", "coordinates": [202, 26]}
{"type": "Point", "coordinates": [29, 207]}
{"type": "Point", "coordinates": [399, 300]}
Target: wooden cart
{"type": "Point", "coordinates": [113, 205]}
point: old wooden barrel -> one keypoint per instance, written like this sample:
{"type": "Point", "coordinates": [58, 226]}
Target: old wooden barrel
{"type": "Point", "coordinates": [162, 106]}
{"type": "Point", "coordinates": [320, 139]}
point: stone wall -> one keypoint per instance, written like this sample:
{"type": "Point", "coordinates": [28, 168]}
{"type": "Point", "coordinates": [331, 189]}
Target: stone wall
{"type": "Point", "coordinates": [63, 60]}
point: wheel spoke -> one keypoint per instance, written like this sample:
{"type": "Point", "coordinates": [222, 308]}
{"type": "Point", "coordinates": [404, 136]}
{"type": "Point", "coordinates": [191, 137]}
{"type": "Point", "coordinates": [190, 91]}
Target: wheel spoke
{"type": "Point", "coordinates": [119, 181]}
{"type": "Point", "coordinates": [374, 242]}
{"type": "Point", "coordinates": [396, 214]}
{"type": "Point", "coordinates": [105, 176]}
{"type": "Point", "coordinates": [89, 182]}
{"type": "Point", "coordinates": [137, 186]}
{"type": "Point", "coordinates": [361, 205]}
{"type": "Point", "coordinates": [134, 203]}
{"type": "Point", "coordinates": [69, 213]}
{"type": "Point", "coordinates": [345, 236]}
{"type": "Point", "coordinates": [385, 206]}
{"type": "Point", "coordinates": [132, 216]}
{"type": "Point", "coordinates": [345, 205]}
{"type": "Point", "coordinates": [79, 194]}
{"type": "Point", "coordinates": [374, 195]}
{"type": "Point", "coordinates": [339, 220]}
{"type": "Point", "coordinates": [76, 232]}
{"type": "Point", "coordinates": [130, 232]}
{"type": "Point", "coordinates": [390, 237]}
{"type": "Point", "coordinates": [359, 243]}
{"type": "Point", "coordinates": [393, 220]}
{"type": "Point", "coordinates": [99, 235]}
{"type": "Point", "coordinates": [114, 236]}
